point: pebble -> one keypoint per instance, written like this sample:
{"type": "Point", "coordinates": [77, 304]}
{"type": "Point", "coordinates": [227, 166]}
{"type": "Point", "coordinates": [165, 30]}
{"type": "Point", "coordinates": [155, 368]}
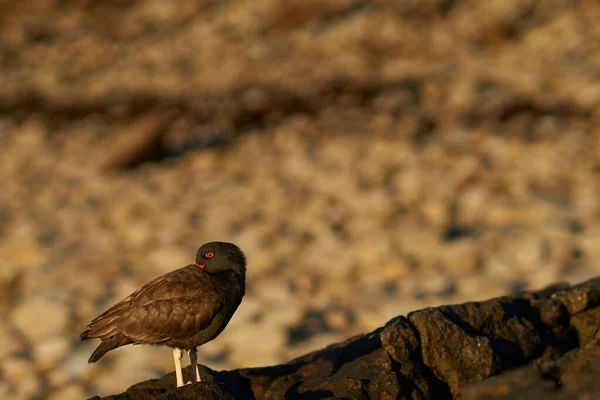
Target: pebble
{"type": "Point", "coordinates": [250, 308]}
{"type": "Point", "coordinates": [4, 390]}
{"type": "Point", "coordinates": [16, 258]}
{"type": "Point", "coordinates": [286, 314]}
{"type": "Point", "coordinates": [394, 271]}
{"type": "Point", "coordinates": [258, 344]}
{"type": "Point", "coordinates": [339, 319]}
{"type": "Point", "coordinates": [9, 342]}
{"type": "Point", "coordinates": [40, 317]}
{"type": "Point", "coordinates": [69, 392]}
{"type": "Point", "coordinates": [527, 252]}
{"type": "Point", "coordinates": [472, 206]}
{"type": "Point", "coordinates": [75, 364]}
{"type": "Point", "coordinates": [478, 287]}
{"type": "Point", "coordinates": [274, 291]}
{"type": "Point", "coordinates": [167, 258]}
{"type": "Point", "coordinates": [57, 377]}
{"type": "Point", "coordinates": [28, 388]}
{"type": "Point", "coordinates": [49, 352]}
{"type": "Point", "coordinates": [590, 243]}
{"type": "Point", "coordinates": [316, 342]}
{"type": "Point", "coordinates": [18, 370]}
{"type": "Point", "coordinates": [461, 257]}
{"type": "Point", "coordinates": [389, 310]}
{"type": "Point", "coordinates": [132, 365]}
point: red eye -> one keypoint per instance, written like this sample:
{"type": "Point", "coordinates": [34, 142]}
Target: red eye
{"type": "Point", "coordinates": [210, 254]}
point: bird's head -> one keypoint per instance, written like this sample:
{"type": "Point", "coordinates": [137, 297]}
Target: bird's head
{"type": "Point", "coordinates": [216, 257]}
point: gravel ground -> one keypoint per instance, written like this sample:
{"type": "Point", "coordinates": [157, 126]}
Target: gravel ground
{"type": "Point", "coordinates": [455, 165]}
{"type": "Point", "coordinates": [341, 236]}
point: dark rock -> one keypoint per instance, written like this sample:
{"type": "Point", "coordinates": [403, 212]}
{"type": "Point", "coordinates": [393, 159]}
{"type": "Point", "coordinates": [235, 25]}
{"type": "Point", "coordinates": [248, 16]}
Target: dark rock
{"type": "Point", "coordinates": [205, 391]}
{"type": "Point", "coordinates": [572, 376]}
{"type": "Point", "coordinates": [522, 383]}
{"type": "Point", "coordinates": [467, 343]}
{"type": "Point", "coordinates": [543, 343]}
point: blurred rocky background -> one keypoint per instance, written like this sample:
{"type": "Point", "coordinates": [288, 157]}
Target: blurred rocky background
{"type": "Point", "coordinates": [370, 157]}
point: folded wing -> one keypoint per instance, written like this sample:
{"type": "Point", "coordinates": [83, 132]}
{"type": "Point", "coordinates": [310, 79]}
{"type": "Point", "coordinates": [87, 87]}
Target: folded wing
{"type": "Point", "coordinates": [172, 307]}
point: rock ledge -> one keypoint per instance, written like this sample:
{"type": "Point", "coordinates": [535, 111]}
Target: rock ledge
{"type": "Point", "coordinates": [542, 343]}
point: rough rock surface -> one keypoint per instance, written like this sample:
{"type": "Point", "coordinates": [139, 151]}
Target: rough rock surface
{"type": "Point", "coordinates": [544, 342]}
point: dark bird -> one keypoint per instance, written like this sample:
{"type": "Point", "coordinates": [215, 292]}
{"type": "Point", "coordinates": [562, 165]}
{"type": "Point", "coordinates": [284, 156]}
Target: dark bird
{"type": "Point", "coordinates": [182, 309]}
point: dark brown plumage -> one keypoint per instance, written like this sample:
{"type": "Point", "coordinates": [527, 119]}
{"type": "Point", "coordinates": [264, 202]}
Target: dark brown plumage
{"type": "Point", "coordinates": [182, 309]}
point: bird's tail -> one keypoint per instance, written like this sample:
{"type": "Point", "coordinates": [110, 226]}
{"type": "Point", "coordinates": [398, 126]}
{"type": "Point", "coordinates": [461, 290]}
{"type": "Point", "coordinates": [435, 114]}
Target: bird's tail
{"type": "Point", "coordinates": [107, 345]}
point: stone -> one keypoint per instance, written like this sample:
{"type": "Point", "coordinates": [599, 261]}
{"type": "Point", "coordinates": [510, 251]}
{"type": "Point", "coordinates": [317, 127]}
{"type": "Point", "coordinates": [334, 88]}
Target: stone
{"type": "Point", "coordinates": [167, 258]}
{"type": "Point", "coordinates": [273, 291]}
{"type": "Point", "coordinates": [40, 317]}
{"type": "Point", "coordinates": [399, 339]}
{"type": "Point", "coordinates": [69, 392]}
{"type": "Point", "coordinates": [4, 390]}
{"type": "Point", "coordinates": [10, 343]}
{"type": "Point", "coordinates": [462, 257]}
{"type": "Point", "coordinates": [313, 343]}
{"type": "Point", "coordinates": [260, 340]}
{"type": "Point", "coordinates": [18, 370]}
{"type": "Point", "coordinates": [57, 378]}
{"type": "Point", "coordinates": [49, 352]}
{"type": "Point", "coordinates": [130, 366]}
{"type": "Point", "coordinates": [571, 376]}
{"type": "Point", "coordinates": [76, 366]}
{"type": "Point", "coordinates": [457, 357]}
{"type": "Point", "coordinates": [29, 388]}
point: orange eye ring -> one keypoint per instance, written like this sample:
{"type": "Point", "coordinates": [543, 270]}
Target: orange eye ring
{"type": "Point", "coordinates": [210, 254]}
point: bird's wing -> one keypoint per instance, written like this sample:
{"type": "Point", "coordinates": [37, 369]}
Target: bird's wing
{"type": "Point", "coordinates": [122, 305]}
{"type": "Point", "coordinates": [177, 297]}
{"type": "Point", "coordinates": [173, 318]}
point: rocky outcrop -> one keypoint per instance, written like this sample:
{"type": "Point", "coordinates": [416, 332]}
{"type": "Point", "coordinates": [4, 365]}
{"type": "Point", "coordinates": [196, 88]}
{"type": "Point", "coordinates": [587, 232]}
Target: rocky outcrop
{"type": "Point", "coordinates": [537, 343]}
{"type": "Point", "coordinates": [572, 376]}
